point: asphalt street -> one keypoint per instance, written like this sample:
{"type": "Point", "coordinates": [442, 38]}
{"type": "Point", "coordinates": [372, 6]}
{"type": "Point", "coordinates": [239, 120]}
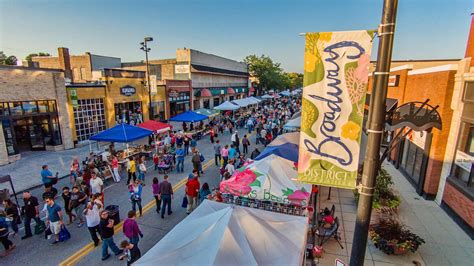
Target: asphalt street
{"type": "Point", "coordinates": [79, 249]}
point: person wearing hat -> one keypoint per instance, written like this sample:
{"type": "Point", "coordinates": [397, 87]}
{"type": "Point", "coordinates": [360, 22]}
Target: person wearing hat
{"type": "Point", "coordinates": [192, 191]}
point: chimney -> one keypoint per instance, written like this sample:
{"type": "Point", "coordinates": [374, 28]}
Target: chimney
{"type": "Point", "coordinates": [470, 42]}
{"type": "Point", "coordinates": [65, 63]}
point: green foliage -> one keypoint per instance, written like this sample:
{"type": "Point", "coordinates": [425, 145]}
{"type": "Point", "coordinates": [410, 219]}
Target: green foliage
{"type": "Point", "coordinates": [270, 75]}
{"type": "Point", "coordinates": [28, 57]}
{"type": "Point", "coordinates": [383, 194]}
{"type": "Point", "coordinates": [7, 60]}
{"type": "Point", "coordinates": [392, 237]}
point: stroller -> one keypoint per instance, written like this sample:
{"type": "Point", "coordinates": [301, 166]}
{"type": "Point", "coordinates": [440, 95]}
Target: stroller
{"type": "Point", "coordinates": [166, 164]}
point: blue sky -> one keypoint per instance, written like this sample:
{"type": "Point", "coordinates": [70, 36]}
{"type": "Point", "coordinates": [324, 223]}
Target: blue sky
{"type": "Point", "coordinates": [426, 29]}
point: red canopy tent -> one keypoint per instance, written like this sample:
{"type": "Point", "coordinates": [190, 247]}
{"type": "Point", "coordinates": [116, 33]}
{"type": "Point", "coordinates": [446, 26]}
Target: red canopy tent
{"type": "Point", "coordinates": [156, 127]}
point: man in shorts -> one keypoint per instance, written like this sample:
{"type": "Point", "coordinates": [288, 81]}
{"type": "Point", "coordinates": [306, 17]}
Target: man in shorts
{"type": "Point", "coordinates": [54, 219]}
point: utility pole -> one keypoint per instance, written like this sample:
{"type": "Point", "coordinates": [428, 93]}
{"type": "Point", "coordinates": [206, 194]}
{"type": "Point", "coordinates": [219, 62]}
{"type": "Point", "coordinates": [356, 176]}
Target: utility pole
{"type": "Point", "coordinates": [145, 48]}
{"type": "Point", "coordinates": [375, 130]}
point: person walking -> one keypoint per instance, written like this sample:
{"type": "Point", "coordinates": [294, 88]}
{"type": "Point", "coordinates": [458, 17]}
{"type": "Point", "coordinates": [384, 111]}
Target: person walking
{"type": "Point", "coordinates": [186, 145]}
{"type": "Point", "coordinates": [232, 153]}
{"type": "Point", "coordinates": [254, 154]}
{"type": "Point", "coordinates": [156, 160]}
{"type": "Point", "coordinates": [204, 192]}
{"type": "Point", "coordinates": [180, 153]}
{"type": "Point", "coordinates": [106, 229]}
{"type": "Point", "coordinates": [166, 194]}
{"type": "Point", "coordinates": [31, 211]}
{"type": "Point", "coordinates": [74, 171]}
{"type": "Point", "coordinates": [245, 144]}
{"type": "Point", "coordinates": [217, 153]}
{"type": "Point", "coordinates": [97, 185]}
{"type": "Point", "coordinates": [7, 244]}
{"type": "Point", "coordinates": [47, 177]}
{"type": "Point", "coordinates": [54, 218]}
{"type": "Point", "coordinates": [196, 160]}
{"type": "Point", "coordinates": [115, 169]}
{"type": "Point", "coordinates": [225, 155]}
{"type": "Point", "coordinates": [92, 214]}
{"type": "Point", "coordinates": [193, 144]}
{"type": "Point", "coordinates": [250, 125]}
{"type": "Point", "coordinates": [132, 168]}
{"type": "Point", "coordinates": [11, 209]}
{"type": "Point", "coordinates": [156, 193]}
{"type": "Point", "coordinates": [142, 171]}
{"type": "Point", "coordinates": [131, 252]}
{"type": "Point", "coordinates": [66, 195]}
{"type": "Point", "coordinates": [78, 203]}
{"type": "Point", "coordinates": [136, 196]}
{"type": "Point", "coordinates": [230, 167]}
{"type": "Point", "coordinates": [192, 192]}
{"type": "Point", "coordinates": [131, 229]}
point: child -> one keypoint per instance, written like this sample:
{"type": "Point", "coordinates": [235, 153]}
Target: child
{"type": "Point", "coordinates": [131, 252]}
{"type": "Point", "coordinates": [67, 206]}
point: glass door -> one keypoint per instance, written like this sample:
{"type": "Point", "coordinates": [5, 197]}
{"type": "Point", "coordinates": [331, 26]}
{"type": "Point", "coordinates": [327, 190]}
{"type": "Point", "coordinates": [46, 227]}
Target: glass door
{"type": "Point", "coordinates": [36, 137]}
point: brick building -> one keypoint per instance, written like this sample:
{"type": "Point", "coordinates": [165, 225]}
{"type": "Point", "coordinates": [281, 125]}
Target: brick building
{"type": "Point", "coordinates": [33, 111]}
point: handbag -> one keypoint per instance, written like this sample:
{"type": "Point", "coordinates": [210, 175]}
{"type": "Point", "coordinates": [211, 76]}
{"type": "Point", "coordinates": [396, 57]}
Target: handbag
{"type": "Point", "coordinates": [40, 227]}
{"type": "Point", "coordinates": [64, 234]}
{"type": "Point", "coordinates": [201, 157]}
{"type": "Point", "coordinates": [185, 202]}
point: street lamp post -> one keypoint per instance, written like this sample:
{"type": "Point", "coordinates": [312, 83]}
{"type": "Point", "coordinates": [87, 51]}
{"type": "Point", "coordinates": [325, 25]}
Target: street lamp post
{"type": "Point", "coordinates": [375, 129]}
{"type": "Point", "coordinates": [144, 47]}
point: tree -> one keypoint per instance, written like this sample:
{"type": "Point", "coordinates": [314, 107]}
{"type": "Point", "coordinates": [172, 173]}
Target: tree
{"type": "Point", "coordinates": [296, 80]}
{"type": "Point", "coordinates": [28, 57]}
{"type": "Point", "coordinates": [268, 73]}
{"type": "Point", "coordinates": [7, 60]}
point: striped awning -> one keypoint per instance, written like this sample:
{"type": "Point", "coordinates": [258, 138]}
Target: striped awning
{"type": "Point", "coordinates": [230, 91]}
{"type": "Point", "coordinates": [206, 93]}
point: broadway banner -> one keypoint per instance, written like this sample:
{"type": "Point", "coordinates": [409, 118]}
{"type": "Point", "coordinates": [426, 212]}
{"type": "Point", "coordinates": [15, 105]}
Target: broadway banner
{"type": "Point", "coordinates": [336, 69]}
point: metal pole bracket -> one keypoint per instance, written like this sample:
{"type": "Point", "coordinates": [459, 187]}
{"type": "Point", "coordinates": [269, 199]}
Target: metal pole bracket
{"type": "Point", "coordinates": [366, 191]}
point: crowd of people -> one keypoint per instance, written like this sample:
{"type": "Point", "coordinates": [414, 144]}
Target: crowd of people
{"type": "Point", "coordinates": [83, 202]}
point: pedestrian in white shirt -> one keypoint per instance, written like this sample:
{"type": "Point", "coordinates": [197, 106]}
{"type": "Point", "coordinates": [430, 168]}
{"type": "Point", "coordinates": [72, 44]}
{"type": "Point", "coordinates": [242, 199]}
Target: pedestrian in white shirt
{"type": "Point", "coordinates": [93, 219]}
{"type": "Point", "coordinates": [230, 167]}
{"type": "Point", "coordinates": [96, 184]}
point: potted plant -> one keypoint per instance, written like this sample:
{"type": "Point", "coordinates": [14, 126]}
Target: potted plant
{"type": "Point", "coordinates": [384, 200]}
{"type": "Point", "coordinates": [393, 237]}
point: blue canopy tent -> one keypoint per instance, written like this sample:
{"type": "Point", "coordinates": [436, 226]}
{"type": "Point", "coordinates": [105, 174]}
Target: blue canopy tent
{"type": "Point", "coordinates": [189, 116]}
{"type": "Point", "coordinates": [288, 151]}
{"type": "Point", "coordinates": [122, 133]}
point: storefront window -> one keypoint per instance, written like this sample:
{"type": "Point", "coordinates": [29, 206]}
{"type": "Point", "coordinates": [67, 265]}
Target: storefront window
{"type": "Point", "coordinates": [43, 106]}
{"type": "Point", "coordinates": [216, 102]}
{"type": "Point", "coordinates": [56, 131]}
{"type": "Point", "coordinates": [206, 104]}
{"type": "Point", "coordinates": [129, 113]}
{"type": "Point", "coordinates": [4, 109]}
{"type": "Point", "coordinates": [52, 106]}
{"type": "Point", "coordinates": [8, 133]}
{"type": "Point", "coordinates": [30, 107]}
{"type": "Point", "coordinates": [465, 155]}
{"type": "Point", "coordinates": [89, 118]}
{"type": "Point", "coordinates": [15, 108]}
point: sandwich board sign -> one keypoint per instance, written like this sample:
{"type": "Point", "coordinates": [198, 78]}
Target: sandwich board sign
{"type": "Point", "coordinates": [339, 262]}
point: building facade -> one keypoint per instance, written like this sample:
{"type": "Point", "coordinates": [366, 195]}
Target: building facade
{"type": "Point", "coordinates": [34, 113]}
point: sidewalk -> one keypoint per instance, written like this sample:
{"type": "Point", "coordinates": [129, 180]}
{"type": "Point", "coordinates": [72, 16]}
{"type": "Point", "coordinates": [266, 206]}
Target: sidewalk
{"type": "Point", "coordinates": [25, 173]}
{"type": "Point", "coordinates": [446, 243]}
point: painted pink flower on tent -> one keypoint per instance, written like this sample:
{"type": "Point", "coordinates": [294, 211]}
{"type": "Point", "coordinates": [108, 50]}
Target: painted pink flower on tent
{"type": "Point", "coordinates": [303, 162]}
{"type": "Point", "coordinates": [362, 70]}
{"type": "Point", "coordinates": [298, 196]}
{"type": "Point", "coordinates": [239, 184]}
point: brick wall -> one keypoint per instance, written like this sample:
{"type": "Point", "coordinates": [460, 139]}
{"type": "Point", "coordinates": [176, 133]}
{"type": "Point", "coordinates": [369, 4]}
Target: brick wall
{"type": "Point", "coordinates": [77, 62]}
{"type": "Point", "coordinates": [459, 203]}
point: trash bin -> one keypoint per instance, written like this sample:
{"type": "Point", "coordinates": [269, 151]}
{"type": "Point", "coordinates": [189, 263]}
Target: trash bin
{"type": "Point", "coordinates": [114, 213]}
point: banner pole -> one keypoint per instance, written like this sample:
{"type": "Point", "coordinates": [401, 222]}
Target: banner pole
{"type": "Point", "coordinates": [375, 130]}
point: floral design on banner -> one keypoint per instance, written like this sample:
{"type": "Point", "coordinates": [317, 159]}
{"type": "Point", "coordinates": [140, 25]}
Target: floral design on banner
{"type": "Point", "coordinates": [335, 83]}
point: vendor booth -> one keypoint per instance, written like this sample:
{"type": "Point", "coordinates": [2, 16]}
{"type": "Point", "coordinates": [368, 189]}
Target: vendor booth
{"type": "Point", "coordinates": [156, 127]}
{"type": "Point", "coordinates": [293, 124]}
{"type": "Point", "coordinates": [227, 106]}
{"type": "Point", "coordinates": [122, 133]}
{"type": "Point", "coordinates": [208, 112]}
{"type": "Point", "coordinates": [221, 234]}
{"type": "Point", "coordinates": [189, 116]}
{"type": "Point", "coordinates": [270, 179]}
{"type": "Point", "coordinates": [266, 97]}
{"type": "Point", "coordinates": [288, 151]}
{"type": "Point", "coordinates": [293, 138]}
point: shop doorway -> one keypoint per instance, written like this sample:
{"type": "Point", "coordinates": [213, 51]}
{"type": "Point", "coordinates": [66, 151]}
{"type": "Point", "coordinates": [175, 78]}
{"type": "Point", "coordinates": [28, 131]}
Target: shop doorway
{"type": "Point", "coordinates": [30, 133]}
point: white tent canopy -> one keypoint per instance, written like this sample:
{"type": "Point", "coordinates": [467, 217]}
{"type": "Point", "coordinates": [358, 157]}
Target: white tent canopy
{"type": "Point", "coordinates": [254, 100]}
{"type": "Point", "coordinates": [243, 102]}
{"type": "Point", "coordinates": [293, 124]}
{"type": "Point", "coordinates": [293, 137]}
{"type": "Point", "coordinates": [221, 234]}
{"type": "Point", "coordinates": [266, 96]}
{"type": "Point", "coordinates": [227, 106]}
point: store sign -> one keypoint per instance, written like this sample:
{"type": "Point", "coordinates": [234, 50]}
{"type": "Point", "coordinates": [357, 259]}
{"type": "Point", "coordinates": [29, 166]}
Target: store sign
{"type": "Point", "coordinates": [128, 90]}
{"type": "Point", "coordinates": [464, 160]}
{"type": "Point", "coordinates": [173, 94]}
{"type": "Point", "coordinates": [336, 71]}
{"type": "Point", "coordinates": [393, 80]}
{"type": "Point", "coordinates": [417, 137]}
{"type": "Point", "coordinates": [153, 85]}
{"type": "Point", "coordinates": [181, 69]}
{"type": "Point", "coordinates": [74, 98]}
